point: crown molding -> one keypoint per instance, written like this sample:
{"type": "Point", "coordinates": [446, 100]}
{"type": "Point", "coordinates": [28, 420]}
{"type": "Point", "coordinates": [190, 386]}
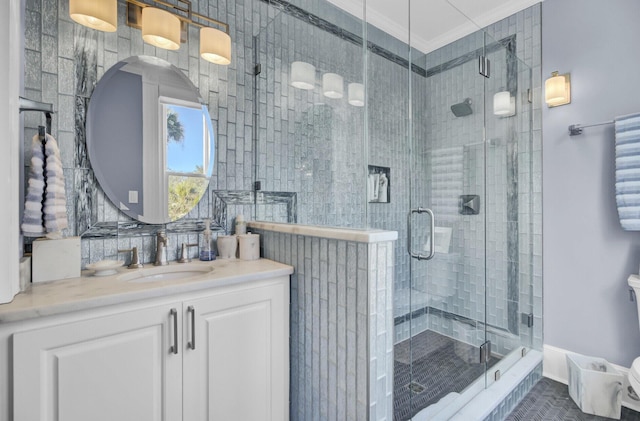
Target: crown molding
{"type": "Point", "coordinates": [381, 21]}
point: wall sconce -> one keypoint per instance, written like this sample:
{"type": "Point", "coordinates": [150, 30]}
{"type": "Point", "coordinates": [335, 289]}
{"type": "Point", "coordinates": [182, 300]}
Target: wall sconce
{"type": "Point", "coordinates": [95, 14]}
{"type": "Point", "coordinates": [557, 89]}
{"type": "Point", "coordinates": [303, 75]}
{"type": "Point", "coordinates": [158, 25]}
{"type": "Point", "coordinates": [355, 92]}
{"type": "Point", "coordinates": [333, 85]}
{"type": "Point", "coordinates": [504, 105]}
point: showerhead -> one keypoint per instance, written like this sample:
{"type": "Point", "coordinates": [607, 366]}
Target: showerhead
{"type": "Point", "coordinates": [462, 109]}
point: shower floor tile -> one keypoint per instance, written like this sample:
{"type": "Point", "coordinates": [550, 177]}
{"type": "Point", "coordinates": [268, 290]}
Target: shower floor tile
{"type": "Point", "coordinates": [550, 401]}
{"type": "Point", "coordinates": [441, 365]}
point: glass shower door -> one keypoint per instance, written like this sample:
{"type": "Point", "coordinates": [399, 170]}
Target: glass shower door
{"type": "Point", "coordinates": [448, 268]}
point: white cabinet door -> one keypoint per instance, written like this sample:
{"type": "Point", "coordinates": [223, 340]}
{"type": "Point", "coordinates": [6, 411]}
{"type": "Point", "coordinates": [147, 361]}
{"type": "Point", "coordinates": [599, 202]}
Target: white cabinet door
{"type": "Point", "coordinates": [239, 369]}
{"type": "Point", "coordinates": [116, 367]}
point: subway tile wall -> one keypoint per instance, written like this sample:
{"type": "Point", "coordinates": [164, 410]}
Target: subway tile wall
{"type": "Point", "coordinates": [341, 326]}
{"type": "Point", "coordinates": [309, 143]}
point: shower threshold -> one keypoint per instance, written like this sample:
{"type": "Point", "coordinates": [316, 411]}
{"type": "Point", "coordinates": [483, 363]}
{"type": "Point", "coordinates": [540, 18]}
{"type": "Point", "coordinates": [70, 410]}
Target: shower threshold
{"type": "Point", "coordinates": [481, 398]}
{"type": "Point", "coordinates": [430, 367]}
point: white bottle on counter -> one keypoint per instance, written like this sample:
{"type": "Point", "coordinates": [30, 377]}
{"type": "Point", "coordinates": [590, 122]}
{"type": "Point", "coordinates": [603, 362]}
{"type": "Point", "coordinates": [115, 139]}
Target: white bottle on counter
{"type": "Point", "coordinates": [241, 225]}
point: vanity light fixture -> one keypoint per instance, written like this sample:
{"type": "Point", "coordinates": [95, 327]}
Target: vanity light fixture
{"type": "Point", "coordinates": [504, 105]}
{"type": "Point", "coordinates": [215, 45]}
{"type": "Point", "coordinates": [303, 75]}
{"type": "Point", "coordinates": [332, 85]}
{"type": "Point", "coordinates": [160, 28]}
{"type": "Point", "coordinates": [95, 14]}
{"type": "Point", "coordinates": [557, 89]}
{"type": "Point", "coordinates": [355, 93]}
{"type": "Point", "coordinates": [157, 21]}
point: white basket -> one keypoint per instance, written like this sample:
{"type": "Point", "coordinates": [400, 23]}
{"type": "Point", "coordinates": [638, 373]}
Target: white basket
{"type": "Point", "coordinates": [595, 385]}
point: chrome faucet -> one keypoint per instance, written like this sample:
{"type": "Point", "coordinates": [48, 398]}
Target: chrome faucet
{"type": "Point", "coordinates": [135, 261]}
{"type": "Point", "coordinates": [161, 248]}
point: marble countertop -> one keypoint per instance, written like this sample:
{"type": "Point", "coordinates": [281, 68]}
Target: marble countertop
{"type": "Point", "coordinates": [88, 291]}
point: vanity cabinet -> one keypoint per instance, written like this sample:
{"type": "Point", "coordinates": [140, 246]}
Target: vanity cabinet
{"type": "Point", "coordinates": [239, 369]}
{"type": "Point", "coordinates": [113, 367]}
{"type": "Point", "coordinates": [219, 354]}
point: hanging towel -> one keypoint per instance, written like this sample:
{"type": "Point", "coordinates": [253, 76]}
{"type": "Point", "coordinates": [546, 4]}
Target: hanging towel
{"type": "Point", "coordinates": [627, 133]}
{"type": "Point", "coordinates": [45, 210]}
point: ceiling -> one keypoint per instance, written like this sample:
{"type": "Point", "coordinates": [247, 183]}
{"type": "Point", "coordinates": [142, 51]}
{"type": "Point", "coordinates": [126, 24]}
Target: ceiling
{"type": "Point", "coordinates": [434, 23]}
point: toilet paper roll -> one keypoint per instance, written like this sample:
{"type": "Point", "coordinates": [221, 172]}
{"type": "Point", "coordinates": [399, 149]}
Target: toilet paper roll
{"type": "Point", "coordinates": [249, 246]}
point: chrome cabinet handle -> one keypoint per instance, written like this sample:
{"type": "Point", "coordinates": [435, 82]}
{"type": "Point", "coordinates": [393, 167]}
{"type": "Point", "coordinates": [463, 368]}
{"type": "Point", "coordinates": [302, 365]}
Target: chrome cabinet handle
{"type": "Point", "coordinates": [432, 239]}
{"type": "Point", "coordinates": [192, 343]}
{"type": "Point", "coordinates": [174, 348]}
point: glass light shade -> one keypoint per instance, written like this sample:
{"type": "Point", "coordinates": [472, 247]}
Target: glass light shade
{"type": "Point", "coordinates": [160, 28]}
{"type": "Point", "coordinates": [215, 46]}
{"type": "Point", "coordinates": [96, 14]}
{"type": "Point", "coordinates": [355, 92]}
{"type": "Point", "coordinates": [504, 104]}
{"type": "Point", "coordinates": [557, 90]}
{"type": "Point", "coordinates": [303, 75]}
{"type": "Point", "coordinates": [332, 85]}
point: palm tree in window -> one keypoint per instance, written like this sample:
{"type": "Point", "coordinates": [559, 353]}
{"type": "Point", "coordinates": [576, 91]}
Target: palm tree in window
{"type": "Point", "coordinates": [175, 130]}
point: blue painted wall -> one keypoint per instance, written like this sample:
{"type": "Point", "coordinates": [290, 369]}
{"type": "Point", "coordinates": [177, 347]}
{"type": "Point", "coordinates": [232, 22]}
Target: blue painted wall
{"type": "Point", "coordinates": [587, 255]}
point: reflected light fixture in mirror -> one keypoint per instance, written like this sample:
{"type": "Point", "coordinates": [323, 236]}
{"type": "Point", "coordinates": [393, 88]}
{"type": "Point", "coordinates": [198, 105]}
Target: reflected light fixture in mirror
{"type": "Point", "coordinates": [303, 75]}
{"type": "Point", "coordinates": [95, 14]}
{"type": "Point", "coordinates": [557, 89]}
{"type": "Point", "coordinates": [504, 105]}
{"type": "Point", "coordinates": [332, 85]}
{"type": "Point", "coordinates": [160, 28]}
{"type": "Point", "coordinates": [355, 92]}
{"type": "Point", "coordinates": [215, 46]}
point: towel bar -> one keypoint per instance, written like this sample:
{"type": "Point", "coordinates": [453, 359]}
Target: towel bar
{"type": "Point", "coordinates": [576, 129]}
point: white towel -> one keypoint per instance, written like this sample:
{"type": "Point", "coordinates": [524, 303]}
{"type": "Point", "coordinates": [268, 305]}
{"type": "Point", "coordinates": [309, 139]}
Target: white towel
{"type": "Point", "coordinates": [45, 205]}
{"type": "Point", "coordinates": [627, 132]}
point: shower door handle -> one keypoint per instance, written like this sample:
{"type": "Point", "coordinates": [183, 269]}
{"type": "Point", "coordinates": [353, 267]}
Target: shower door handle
{"type": "Point", "coordinates": [432, 241]}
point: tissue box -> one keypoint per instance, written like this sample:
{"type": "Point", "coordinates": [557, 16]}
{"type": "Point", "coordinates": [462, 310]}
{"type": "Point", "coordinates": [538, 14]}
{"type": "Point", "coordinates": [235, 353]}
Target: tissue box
{"type": "Point", "coordinates": [595, 385]}
{"type": "Point", "coordinates": [52, 260]}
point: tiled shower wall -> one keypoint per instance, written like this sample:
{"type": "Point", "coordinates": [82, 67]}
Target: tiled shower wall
{"type": "Point", "coordinates": [309, 143]}
{"type": "Point", "coordinates": [341, 326]}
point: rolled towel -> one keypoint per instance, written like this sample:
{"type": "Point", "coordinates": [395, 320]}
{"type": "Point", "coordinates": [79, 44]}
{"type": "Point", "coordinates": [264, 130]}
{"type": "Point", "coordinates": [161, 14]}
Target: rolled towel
{"type": "Point", "coordinates": [36, 183]}
{"type": "Point", "coordinates": [33, 206]}
{"type": "Point", "coordinates": [32, 230]}
{"type": "Point", "coordinates": [54, 209]}
{"type": "Point", "coordinates": [51, 146]}
{"type": "Point", "coordinates": [36, 164]}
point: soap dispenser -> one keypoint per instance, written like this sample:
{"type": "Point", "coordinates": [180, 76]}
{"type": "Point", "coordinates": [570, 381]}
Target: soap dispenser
{"type": "Point", "coordinates": [206, 254]}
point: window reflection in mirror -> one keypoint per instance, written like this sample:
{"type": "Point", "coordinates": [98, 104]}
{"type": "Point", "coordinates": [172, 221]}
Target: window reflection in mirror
{"type": "Point", "coordinates": [187, 156]}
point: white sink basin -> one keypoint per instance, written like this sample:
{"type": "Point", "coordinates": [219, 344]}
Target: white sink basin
{"type": "Point", "coordinates": [166, 273]}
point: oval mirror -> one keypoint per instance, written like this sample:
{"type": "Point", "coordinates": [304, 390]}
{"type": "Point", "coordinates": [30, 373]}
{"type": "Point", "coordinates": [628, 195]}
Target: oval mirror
{"type": "Point", "coordinates": [150, 140]}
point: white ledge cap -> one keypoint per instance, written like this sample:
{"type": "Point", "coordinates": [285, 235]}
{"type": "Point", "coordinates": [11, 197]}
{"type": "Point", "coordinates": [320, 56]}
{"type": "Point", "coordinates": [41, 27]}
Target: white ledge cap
{"type": "Point", "coordinates": [346, 234]}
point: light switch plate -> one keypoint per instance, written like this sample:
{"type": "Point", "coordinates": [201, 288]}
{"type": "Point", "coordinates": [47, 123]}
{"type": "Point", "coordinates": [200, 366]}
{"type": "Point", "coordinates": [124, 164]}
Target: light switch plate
{"type": "Point", "coordinates": [133, 196]}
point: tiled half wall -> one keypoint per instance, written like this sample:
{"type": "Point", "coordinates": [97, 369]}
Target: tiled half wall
{"type": "Point", "coordinates": [341, 325]}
